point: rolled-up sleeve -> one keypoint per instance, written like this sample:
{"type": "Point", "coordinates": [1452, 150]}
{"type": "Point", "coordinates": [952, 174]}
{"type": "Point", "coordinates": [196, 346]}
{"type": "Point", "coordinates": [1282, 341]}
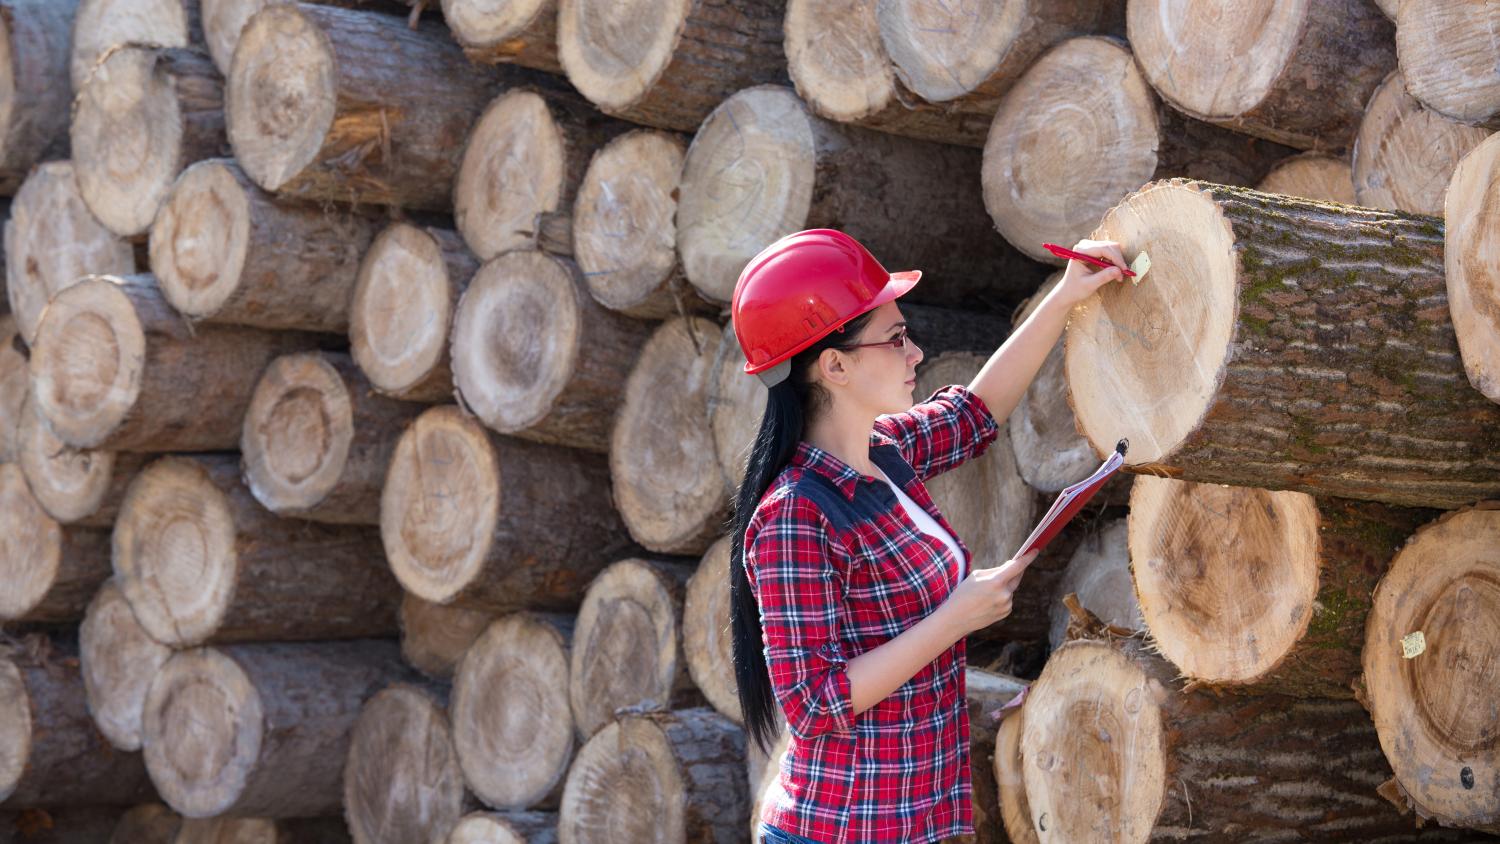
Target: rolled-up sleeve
{"type": "Point", "coordinates": [796, 568]}
{"type": "Point", "coordinates": [943, 432]}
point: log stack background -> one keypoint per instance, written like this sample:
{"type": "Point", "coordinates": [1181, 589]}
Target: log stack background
{"type": "Point", "coordinates": [369, 414]}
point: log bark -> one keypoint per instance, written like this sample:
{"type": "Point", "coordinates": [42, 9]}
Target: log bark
{"type": "Point", "coordinates": [506, 828]}
{"type": "Point", "coordinates": [1446, 47]}
{"type": "Point", "coordinates": [51, 241]}
{"type": "Point", "coordinates": [705, 632]}
{"type": "Point", "coordinates": [1405, 153]}
{"type": "Point", "coordinates": [522, 32]}
{"type": "Point", "coordinates": [402, 782]}
{"type": "Point", "coordinates": [763, 165]}
{"type": "Point", "coordinates": [228, 830]}
{"type": "Point", "coordinates": [669, 776]}
{"type": "Point", "coordinates": [101, 25]}
{"type": "Point", "coordinates": [511, 720]}
{"type": "Point", "coordinates": [1282, 351]}
{"type": "Point", "coordinates": [118, 659]}
{"type": "Point", "coordinates": [522, 166]}
{"type": "Point", "coordinates": [408, 284]}
{"type": "Point", "coordinates": [14, 388]}
{"type": "Point", "coordinates": [1063, 149]}
{"type": "Point", "coordinates": [625, 227]}
{"type": "Point", "coordinates": [53, 755]}
{"type": "Point", "coordinates": [114, 367]}
{"type": "Point", "coordinates": [1112, 747]}
{"type": "Point", "coordinates": [1432, 701]}
{"type": "Point", "coordinates": [261, 730]}
{"type": "Point", "coordinates": [536, 357]}
{"type": "Point", "coordinates": [985, 692]}
{"type": "Point", "coordinates": [148, 823]}
{"type": "Point", "coordinates": [1015, 812]}
{"type": "Point", "coordinates": [316, 111]}
{"type": "Point", "coordinates": [967, 56]}
{"type": "Point", "coordinates": [1313, 175]}
{"type": "Point", "coordinates": [434, 637]}
{"type": "Point", "coordinates": [201, 561]}
{"type": "Point", "coordinates": [1251, 589]}
{"type": "Point", "coordinates": [661, 455]}
{"type": "Point", "coordinates": [75, 486]}
{"type": "Point", "coordinates": [668, 65]}
{"type": "Point", "coordinates": [49, 571]}
{"type": "Point", "coordinates": [143, 116]}
{"type": "Point", "coordinates": [628, 645]}
{"type": "Point", "coordinates": [225, 251]}
{"type": "Point", "coordinates": [1318, 64]}
{"type": "Point", "coordinates": [1099, 574]}
{"type": "Point", "coordinates": [34, 119]}
{"type": "Point", "coordinates": [317, 439]}
{"type": "Point", "coordinates": [1473, 283]}
{"type": "Point", "coordinates": [492, 523]}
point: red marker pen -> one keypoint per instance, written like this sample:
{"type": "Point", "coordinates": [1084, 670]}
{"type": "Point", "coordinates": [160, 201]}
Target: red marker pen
{"type": "Point", "coordinates": [1102, 264]}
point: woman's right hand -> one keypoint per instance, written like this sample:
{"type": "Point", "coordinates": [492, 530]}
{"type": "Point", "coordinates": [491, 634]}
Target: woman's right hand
{"type": "Point", "coordinates": [985, 595]}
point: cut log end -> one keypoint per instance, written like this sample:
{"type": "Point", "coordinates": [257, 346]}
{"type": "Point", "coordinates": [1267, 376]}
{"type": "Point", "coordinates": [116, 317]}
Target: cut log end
{"type": "Point", "coordinates": [31, 547]}
{"type": "Point", "coordinates": [223, 21]}
{"type": "Point", "coordinates": [1227, 576]}
{"type": "Point", "coordinates": [834, 55]}
{"type": "Point", "coordinates": [1099, 575]}
{"type": "Point", "coordinates": [705, 632]}
{"type": "Point", "coordinates": [490, 25]}
{"type": "Point", "coordinates": [15, 386]}
{"type": "Point", "coordinates": [402, 781]}
{"type": "Point", "coordinates": [102, 24]}
{"type": "Point", "coordinates": [505, 828]}
{"type": "Point", "coordinates": [1312, 175]}
{"type": "Point", "coordinates": [1015, 812]}
{"type": "Point", "coordinates": [1473, 274]}
{"type": "Point", "coordinates": [613, 52]}
{"type": "Point", "coordinates": [200, 239]}
{"type": "Point", "coordinates": [1405, 153]}
{"type": "Point", "coordinates": [943, 52]}
{"type": "Point", "coordinates": [118, 659]}
{"type": "Point", "coordinates": [736, 405]}
{"type": "Point", "coordinates": [15, 726]}
{"type": "Point", "coordinates": [70, 483]}
{"type": "Point", "coordinates": [1431, 696]}
{"type": "Point", "coordinates": [511, 720]}
{"type": "Point", "coordinates": [401, 310]}
{"type": "Point", "coordinates": [203, 726]}
{"type": "Point", "coordinates": [440, 504]}
{"type": "Point", "coordinates": [281, 95]}
{"type": "Point", "coordinates": [624, 222]}
{"type": "Point", "coordinates": [434, 637]}
{"type": "Point", "coordinates": [516, 339]}
{"type": "Point", "coordinates": [1040, 184]}
{"type": "Point", "coordinates": [626, 785]}
{"type": "Point", "coordinates": [148, 823]}
{"type": "Point", "coordinates": [1447, 54]}
{"type": "Point", "coordinates": [1142, 362]}
{"type": "Point", "coordinates": [747, 180]}
{"type": "Point", "coordinates": [626, 649]}
{"type": "Point", "coordinates": [514, 170]}
{"type": "Point", "coordinates": [175, 552]}
{"type": "Point", "coordinates": [297, 432]}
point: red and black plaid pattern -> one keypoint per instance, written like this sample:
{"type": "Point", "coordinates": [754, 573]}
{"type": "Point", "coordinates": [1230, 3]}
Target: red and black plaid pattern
{"type": "Point", "coordinates": [839, 568]}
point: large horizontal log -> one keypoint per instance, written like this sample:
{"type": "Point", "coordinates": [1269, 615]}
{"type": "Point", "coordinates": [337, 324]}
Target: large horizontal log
{"type": "Point", "coordinates": [202, 561]}
{"type": "Point", "coordinates": [1405, 153]}
{"type": "Point", "coordinates": [763, 165]}
{"type": "Point", "coordinates": [668, 65]}
{"type": "Point", "coordinates": [102, 25]}
{"type": "Point", "coordinates": [1318, 63]}
{"type": "Point", "coordinates": [49, 572]}
{"type": "Point", "coordinates": [50, 752]}
{"type": "Point", "coordinates": [225, 251]}
{"type": "Point", "coordinates": [668, 776]}
{"type": "Point", "coordinates": [36, 35]}
{"type": "Point", "coordinates": [118, 659]}
{"type": "Point", "coordinates": [1266, 590]}
{"type": "Point", "coordinates": [402, 781]}
{"type": "Point", "coordinates": [261, 730]}
{"type": "Point", "coordinates": [1473, 281]}
{"type": "Point", "coordinates": [51, 241]}
{"type": "Point", "coordinates": [1447, 51]}
{"type": "Point", "coordinates": [705, 632]}
{"type": "Point", "coordinates": [350, 106]}
{"type": "Point", "coordinates": [1312, 175]}
{"type": "Point", "coordinates": [1063, 148]}
{"type": "Point", "coordinates": [522, 32]}
{"type": "Point", "coordinates": [1282, 344]}
{"type": "Point", "coordinates": [494, 523]}
{"type": "Point", "coordinates": [408, 284]}
{"type": "Point", "coordinates": [511, 720]}
{"type": "Point", "coordinates": [115, 367]}
{"type": "Point", "coordinates": [317, 439]}
{"type": "Point", "coordinates": [76, 486]}
{"type": "Point", "coordinates": [1430, 665]}
{"type": "Point", "coordinates": [143, 115]}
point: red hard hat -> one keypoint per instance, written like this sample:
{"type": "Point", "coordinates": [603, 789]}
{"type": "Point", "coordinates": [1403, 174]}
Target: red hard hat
{"type": "Point", "coordinates": [803, 287]}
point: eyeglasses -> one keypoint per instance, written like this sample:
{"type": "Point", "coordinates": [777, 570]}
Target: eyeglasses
{"type": "Point", "coordinates": [898, 342]}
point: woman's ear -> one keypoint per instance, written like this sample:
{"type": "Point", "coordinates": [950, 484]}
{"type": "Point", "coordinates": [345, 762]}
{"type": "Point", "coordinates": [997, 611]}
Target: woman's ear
{"type": "Point", "coordinates": [831, 369]}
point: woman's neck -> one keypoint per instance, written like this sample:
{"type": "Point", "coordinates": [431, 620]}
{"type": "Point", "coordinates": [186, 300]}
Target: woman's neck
{"type": "Point", "coordinates": [845, 435]}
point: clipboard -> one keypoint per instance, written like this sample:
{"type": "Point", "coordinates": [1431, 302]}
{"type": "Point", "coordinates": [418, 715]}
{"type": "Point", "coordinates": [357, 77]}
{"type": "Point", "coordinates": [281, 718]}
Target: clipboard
{"type": "Point", "coordinates": [1071, 500]}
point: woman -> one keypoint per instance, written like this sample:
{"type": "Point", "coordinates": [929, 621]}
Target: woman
{"type": "Point", "coordinates": [850, 593]}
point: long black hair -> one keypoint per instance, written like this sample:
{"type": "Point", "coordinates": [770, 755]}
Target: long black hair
{"type": "Point", "coordinates": [781, 429]}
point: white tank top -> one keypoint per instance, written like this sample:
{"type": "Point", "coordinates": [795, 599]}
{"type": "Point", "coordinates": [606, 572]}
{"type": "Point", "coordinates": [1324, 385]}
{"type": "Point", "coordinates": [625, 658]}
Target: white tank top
{"type": "Point", "coordinates": [925, 523]}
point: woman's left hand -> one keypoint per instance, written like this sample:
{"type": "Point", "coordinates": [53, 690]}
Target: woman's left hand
{"type": "Point", "coordinates": [1081, 280]}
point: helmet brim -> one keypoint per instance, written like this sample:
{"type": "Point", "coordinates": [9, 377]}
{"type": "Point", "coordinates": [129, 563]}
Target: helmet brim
{"type": "Point", "coordinates": [895, 287]}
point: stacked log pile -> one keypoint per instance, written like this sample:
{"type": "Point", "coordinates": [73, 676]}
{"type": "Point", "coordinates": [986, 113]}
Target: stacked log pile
{"type": "Point", "coordinates": [370, 415]}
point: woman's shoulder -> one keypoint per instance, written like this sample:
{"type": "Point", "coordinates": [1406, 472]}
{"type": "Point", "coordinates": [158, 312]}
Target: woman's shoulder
{"type": "Point", "coordinates": [797, 496]}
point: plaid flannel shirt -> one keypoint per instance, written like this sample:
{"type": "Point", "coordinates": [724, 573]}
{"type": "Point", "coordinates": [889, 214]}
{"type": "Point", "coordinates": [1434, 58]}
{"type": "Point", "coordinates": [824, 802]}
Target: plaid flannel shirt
{"type": "Point", "coordinates": [839, 568]}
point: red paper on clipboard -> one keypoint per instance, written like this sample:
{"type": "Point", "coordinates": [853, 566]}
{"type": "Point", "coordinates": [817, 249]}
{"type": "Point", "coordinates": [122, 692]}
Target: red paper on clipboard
{"type": "Point", "coordinates": [1071, 500]}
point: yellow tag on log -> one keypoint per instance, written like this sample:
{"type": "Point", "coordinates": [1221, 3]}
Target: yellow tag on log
{"type": "Point", "coordinates": [1140, 266]}
{"type": "Point", "coordinates": [1413, 644]}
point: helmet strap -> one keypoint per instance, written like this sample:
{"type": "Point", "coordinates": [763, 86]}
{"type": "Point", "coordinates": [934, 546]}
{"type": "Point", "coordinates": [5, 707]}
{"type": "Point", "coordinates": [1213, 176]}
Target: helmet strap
{"type": "Point", "coordinates": [776, 374]}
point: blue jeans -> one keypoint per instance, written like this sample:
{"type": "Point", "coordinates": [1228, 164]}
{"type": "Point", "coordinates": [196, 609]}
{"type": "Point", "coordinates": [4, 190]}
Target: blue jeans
{"type": "Point", "coordinates": [771, 835]}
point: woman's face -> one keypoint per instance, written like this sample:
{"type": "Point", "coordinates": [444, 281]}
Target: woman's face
{"type": "Point", "coordinates": [883, 377]}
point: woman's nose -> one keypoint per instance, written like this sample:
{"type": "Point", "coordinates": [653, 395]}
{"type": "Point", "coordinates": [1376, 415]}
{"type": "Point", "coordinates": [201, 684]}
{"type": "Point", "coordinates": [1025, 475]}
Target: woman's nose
{"type": "Point", "coordinates": [914, 353]}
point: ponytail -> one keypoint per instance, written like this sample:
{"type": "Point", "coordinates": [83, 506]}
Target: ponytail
{"type": "Point", "coordinates": [781, 430]}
